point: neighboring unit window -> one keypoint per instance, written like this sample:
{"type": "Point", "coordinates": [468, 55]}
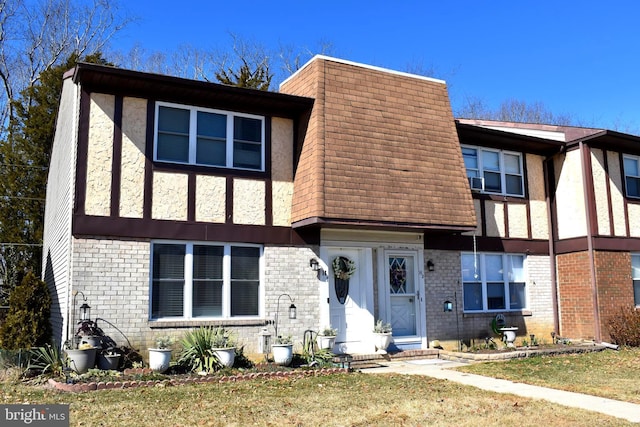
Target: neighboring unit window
{"type": "Point", "coordinates": [205, 281]}
{"type": "Point", "coordinates": [209, 137]}
{"type": "Point", "coordinates": [493, 282]}
{"type": "Point", "coordinates": [635, 276]}
{"type": "Point", "coordinates": [500, 170]}
{"type": "Point", "coordinates": [632, 175]}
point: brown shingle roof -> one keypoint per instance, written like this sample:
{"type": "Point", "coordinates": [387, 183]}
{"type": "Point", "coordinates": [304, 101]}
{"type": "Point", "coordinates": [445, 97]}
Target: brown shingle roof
{"type": "Point", "coordinates": [381, 149]}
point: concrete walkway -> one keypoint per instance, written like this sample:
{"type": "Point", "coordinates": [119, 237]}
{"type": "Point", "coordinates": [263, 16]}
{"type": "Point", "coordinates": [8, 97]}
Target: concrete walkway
{"type": "Point", "coordinates": [438, 368]}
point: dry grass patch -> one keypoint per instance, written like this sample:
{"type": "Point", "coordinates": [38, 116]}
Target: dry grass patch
{"type": "Point", "coordinates": [334, 400]}
{"type": "Point", "coordinates": [611, 374]}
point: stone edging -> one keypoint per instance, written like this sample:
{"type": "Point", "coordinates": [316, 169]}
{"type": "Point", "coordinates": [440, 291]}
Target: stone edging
{"type": "Point", "coordinates": [111, 385]}
{"type": "Point", "coordinates": [518, 353]}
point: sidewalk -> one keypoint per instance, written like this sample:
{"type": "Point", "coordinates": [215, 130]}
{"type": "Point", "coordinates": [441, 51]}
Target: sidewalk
{"type": "Point", "coordinates": [438, 368]}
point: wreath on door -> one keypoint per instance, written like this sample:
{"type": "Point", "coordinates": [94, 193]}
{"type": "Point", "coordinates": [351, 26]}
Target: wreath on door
{"type": "Point", "coordinates": [343, 269]}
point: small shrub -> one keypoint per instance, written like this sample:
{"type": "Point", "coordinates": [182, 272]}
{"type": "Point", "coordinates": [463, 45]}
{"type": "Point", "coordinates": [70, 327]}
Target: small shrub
{"type": "Point", "coordinates": [382, 327]}
{"type": "Point", "coordinates": [27, 323]}
{"type": "Point", "coordinates": [624, 328]}
{"type": "Point", "coordinates": [164, 341]}
{"type": "Point", "coordinates": [197, 348]}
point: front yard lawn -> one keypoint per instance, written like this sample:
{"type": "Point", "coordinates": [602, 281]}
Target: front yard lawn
{"type": "Point", "coordinates": [609, 373]}
{"type": "Point", "coordinates": [352, 399]}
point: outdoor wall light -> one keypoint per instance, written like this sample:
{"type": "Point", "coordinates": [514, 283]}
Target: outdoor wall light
{"type": "Point", "coordinates": [85, 312]}
{"type": "Point", "coordinates": [449, 307]}
{"type": "Point", "coordinates": [431, 267]}
{"type": "Point", "coordinates": [293, 311]}
{"type": "Point", "coordinates": [314, 264]}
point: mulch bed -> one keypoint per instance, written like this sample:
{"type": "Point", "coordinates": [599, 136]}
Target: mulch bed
{"type": "Point", "coordinates": [182, 380]}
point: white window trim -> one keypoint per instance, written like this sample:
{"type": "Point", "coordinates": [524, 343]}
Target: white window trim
{"type": "Point", "coordinates": [483, 282]}
{"type": "Point", "coordinates": [503, 173]}
{"type": "Point", "coordinates": [226, 281]}
{"type": "Point", "coordinates": [193, 112]}
{"type": "Point", "coordinates": [636, 255]}
{"type": "Point", "coordinates": [626, 187]}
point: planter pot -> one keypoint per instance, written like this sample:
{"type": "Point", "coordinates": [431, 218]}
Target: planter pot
{"type": "Point", "coordinates": [92, 340]}
{"type": "Point", "coordinates": [326, 342]}
{"type": "Point", "coordinates": [226, 356]}
{"type": "Point", "coordinates": [159, 359]}
{"type": "Point", "coordinates": [382, 341]}
{"type": "Point", "coordinates": [282, 353]}
{"type": "Point", "coordinates": [81, 360]}
{"type": "Point", "coordinates": [108, 362]}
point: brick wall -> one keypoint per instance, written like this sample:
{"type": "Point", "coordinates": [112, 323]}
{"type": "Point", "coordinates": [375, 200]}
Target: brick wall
{"type": "Point", "coordinates": [615, 288]}
{"type": "Point", "coordinates": [474, 327]}
{"type": "Point", "coordinates": [576, 296]}
{"type": "Point", "coordinates": [114, 276]}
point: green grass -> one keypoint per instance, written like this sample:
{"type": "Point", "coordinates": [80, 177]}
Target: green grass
{"type": "Point", "coordinates": [354, 399]}
{"type": "Point", "coordinates": [612, 374]}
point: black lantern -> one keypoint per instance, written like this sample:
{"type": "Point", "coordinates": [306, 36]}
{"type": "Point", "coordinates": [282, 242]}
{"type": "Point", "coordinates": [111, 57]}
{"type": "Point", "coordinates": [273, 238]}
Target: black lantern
{"type": "Point", "coordinates": [292, 311]}
{"type": "Point", "coordinates": [448, 306]}
{"type": "Point", "coordinates": [85, 312]}
{"type": "Point", "coordinates": [430, 266]}
{"type": "Point", "coordinates": [314, 264]}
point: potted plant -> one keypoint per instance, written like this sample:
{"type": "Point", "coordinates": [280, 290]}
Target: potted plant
{"type": "Point", "coordinates": [88, 332]}
{"type": "Point", "coordinates": [223, 345]}
{"type": "Point", "coordinates": [160, 355]}
{"type": "Point", "coordinates": [327, 338]}
{"type": "Point", "coordinates": [82, 358]}
{"type": "Point", "coordinates": [282, 350]}
{"type": "Point", "coordinates": [109, 359]}
{"type": "Point", "coordinates": [382, 335]}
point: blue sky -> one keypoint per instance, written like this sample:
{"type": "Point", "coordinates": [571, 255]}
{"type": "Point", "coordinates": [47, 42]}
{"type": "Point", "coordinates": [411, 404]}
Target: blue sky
{"type": "Point", "coordinates": [577, 58]}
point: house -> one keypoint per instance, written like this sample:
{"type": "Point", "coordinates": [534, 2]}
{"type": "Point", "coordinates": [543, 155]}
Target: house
{"type": "Point", "coordinates": [173, 204]}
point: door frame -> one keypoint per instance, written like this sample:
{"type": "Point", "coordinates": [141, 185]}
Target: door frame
{"type": "Point", "coordinates": [384, 298]}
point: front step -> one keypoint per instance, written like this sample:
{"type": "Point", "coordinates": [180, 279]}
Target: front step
{"type": "Point", "coordinates": [360, 361]}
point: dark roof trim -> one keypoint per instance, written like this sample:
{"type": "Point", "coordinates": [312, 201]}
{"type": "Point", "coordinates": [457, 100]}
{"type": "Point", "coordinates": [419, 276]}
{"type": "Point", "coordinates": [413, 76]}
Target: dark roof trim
{"type": "Point", "coordinates": [378, 225]}
{"type": "Point", "coordinates": [610, 140]}
{"type": "Point", "coordinates": [106, 79]}
{"type": "Point", "coordinates": [482, 136]}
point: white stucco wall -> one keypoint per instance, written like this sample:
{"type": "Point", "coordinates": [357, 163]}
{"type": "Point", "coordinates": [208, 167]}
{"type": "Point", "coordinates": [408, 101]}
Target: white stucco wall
{"type": "Point", "coordinates": [570, 196]}
{"type": "Point", "coordinates": [100, 155]}
{"type": "Point", "coordinates": [617, 194]}
{"type": "Point", "coordinates": [170, 193]}
{"type": "Point", "coordinates": [210, 198]}
{"type": "Point", "coordinates": [134, 126]}
{"type": "Point", "coordinates": [248, 202]}
{"type": "Point", "coordinates": [600, 189]}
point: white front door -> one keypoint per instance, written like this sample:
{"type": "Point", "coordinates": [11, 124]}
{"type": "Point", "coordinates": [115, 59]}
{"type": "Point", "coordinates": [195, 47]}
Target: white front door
{"type": "Point", "coordinates": [401, 302]}
{"type": "Point", "coordinates": [350, 311]}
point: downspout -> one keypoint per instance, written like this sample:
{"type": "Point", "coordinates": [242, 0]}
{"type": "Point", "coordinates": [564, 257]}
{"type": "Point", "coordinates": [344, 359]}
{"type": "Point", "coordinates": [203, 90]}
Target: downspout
{"type": "Point", "coordinates": [549, 184]}
{"type": "Point", "coordinates": [585, 160]}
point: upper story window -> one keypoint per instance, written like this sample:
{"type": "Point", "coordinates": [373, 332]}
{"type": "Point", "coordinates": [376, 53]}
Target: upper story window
{"type": "Point", "coordinates": [493, 282]}
{"type": "Point", "coordinates": [208, 137]}
{"type": "Point", "coordinates": [635, 276]}
{"type": "Point", "coordinates": [632, 175]}
{"type": "Point", "coordinates": [192, 280]}
{"type": "Point", "coordinates": [494, 171]}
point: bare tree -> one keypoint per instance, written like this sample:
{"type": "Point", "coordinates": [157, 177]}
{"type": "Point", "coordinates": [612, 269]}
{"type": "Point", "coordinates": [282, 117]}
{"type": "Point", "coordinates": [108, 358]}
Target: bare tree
{"type": "Point", "coordinates": [513, 110]}
{"type": "Point", "coordinates": [38, 34]}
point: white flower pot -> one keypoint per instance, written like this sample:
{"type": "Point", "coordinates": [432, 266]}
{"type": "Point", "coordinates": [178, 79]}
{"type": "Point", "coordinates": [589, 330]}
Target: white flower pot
{"type": "Point", "coordinates": [282, 353]}
{"type": "Point", "coordinates": [226, 356]}
{"type": "Point", "coordinates": [382, 341]}
{"type": "Point", "coordinates": [326, 342]}
{"type": "Point", "coordinates": [159, 359]}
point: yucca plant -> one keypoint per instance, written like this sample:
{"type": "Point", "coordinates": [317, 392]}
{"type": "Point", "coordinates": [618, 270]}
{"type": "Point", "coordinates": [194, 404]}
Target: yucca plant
{"type": "Point", "coordinates": [46, 359]}
{"type": "Point", "coordinates": [197, 348]}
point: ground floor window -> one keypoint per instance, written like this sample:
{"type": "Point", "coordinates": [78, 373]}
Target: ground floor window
{"type": "Point", "coordinates": [194, 280]}
{"type": "Point", "coordinates": [493, 282]}
{"type": "Point", "coordinates": [635, 276]}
